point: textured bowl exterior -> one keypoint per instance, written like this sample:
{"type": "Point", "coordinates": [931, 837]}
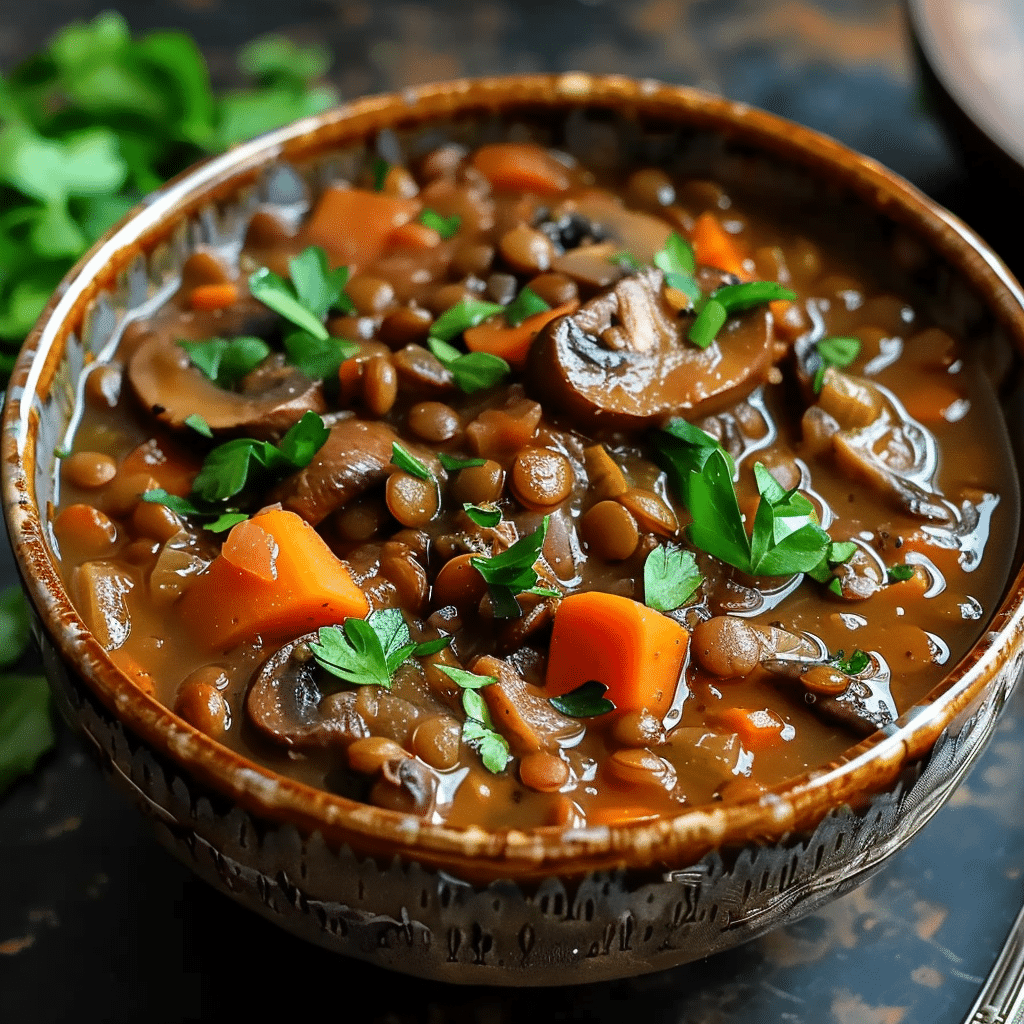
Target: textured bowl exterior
{"type": "Point", "coordinates": [465, 905]}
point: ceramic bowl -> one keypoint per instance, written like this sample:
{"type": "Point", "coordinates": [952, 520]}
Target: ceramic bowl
{"type": "Point", "coordinates": [467, 905]}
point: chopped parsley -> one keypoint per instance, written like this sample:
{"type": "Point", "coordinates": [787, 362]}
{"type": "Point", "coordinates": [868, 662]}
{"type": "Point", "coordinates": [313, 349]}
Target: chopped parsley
{"type": "Point", "coordinates": [526, 304]}
{"type": "Point", "coordinates": [478, 729]}
{"type": "Point", "coordinates": [670, 578]}
{"type": "Point", "coordinates": [456, 462]}
{"type": "Point", "coordinates": [837, 352]}
{"type": "Point", "coordinates": [486, 517]}
{"type": "Point", "coordinates": [512, 571]}
{"type": "Point", "coordinates": [473, 371]}
{"type": "Point", "coordinates": [226, 362]}
{"type": "Point", "coordinates": [588, 700]}
{"type": "Point", "coordinates": [446, 227]}
{"type": "Point", "coordinates": [409, 463]}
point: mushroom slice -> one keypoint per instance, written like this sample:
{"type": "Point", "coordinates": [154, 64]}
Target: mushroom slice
{"type": "Point", "coordinates": [172, 389]}
{"type": "Point", "coordinates": [622, 360]}
{"type": "Point", "coordinates": [355, 457]}
{"type": "Point", "coordinates": [285, 702]}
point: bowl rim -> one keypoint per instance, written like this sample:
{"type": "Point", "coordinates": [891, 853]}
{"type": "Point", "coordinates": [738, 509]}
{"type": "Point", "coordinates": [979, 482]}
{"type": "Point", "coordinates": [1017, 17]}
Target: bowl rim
{"type": "Point", "coordinates": [797, 804]}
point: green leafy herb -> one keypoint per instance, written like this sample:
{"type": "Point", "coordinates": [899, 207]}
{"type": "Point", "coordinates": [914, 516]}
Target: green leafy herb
{"type": "Point", "coordinates": [512, 571]}
{"type": "Point", "coordinates": [587, 701]}
{"type": "Point", "coordinates": [679, 265]}
{"type": "Point", "coordinates": [317, 358]}
{"type": "Point", "coordinates": [626, 260]}
{"type": "Point", "coordinates": [837, 352]}
{"type": "Point", "coordinates": [444, 226]}
{"type": "Point", "coordinates": [473, 371]}
{"type": "Point", "coordinates": [26, 726]}
{"type": "Point", "coordinates": [838, 552]}
{"type": "Point", "coordinates": [409, 463]}
{"type": "Point", "coordinates": [670, 578]}
{"type": "Point", "coordinates": [217, 518]}
{"type": "Point", "coordinates": [854, 665]}
{"type": "Point", "coordinates": [456, 462]}
{"type": "Point", "coordinates": [368, 652]}
{"type": "Point", "coordinates": [380, 173]}
{"type": "Point", "coordinates": [198, 424]}
{"type": "Point", "coordinates": [899, 573]}
{"type": "Point", "coordinates": [97, 119]}
{"type": "Point", "coordinates": [226, 362]}
{"type": "Point", "coordinates": [732, 298]}
{"type": "Point", "coordinates": [478, 729]}
{"type": "Point", "coordinates": [526, 304]}
{"type": "Point", "coordinates": [786, 538]}
{"type": "Point", "coordinates": [464, 314]}
{"type": "Point", "coordinates": [485, 517]}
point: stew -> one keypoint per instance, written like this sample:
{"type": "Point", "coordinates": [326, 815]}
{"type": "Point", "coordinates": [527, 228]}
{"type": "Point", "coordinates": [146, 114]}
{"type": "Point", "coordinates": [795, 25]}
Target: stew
{"type": "Point", "coordinates": [508, 493]}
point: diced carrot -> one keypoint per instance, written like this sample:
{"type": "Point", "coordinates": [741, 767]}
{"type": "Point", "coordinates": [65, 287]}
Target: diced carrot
{"type": "Point", "coordinates": [929, 400]}
{"type": "Point", "coordinates": [757, 728]}
{"type": "Point", "coordinates": [513, 343]}
{"type": "Point", "coordinates": [415, 236]}
{"type": "Point", "coordinates": [713, 246]}
{"type": "Point", "coordinates": [621, 815]}
{"type": "Point", "coordinates": [521, 167]}
{"type": "Point", "coordinates": [635, 651]}
{"type": "Point", "coordinates": [354, 226]}
{"type": "Point", "coordinates": [169, 464]}
{"type": "Point", "coordinates": [209, 297]}
{"type": "Point", "coordinates": [289, 583]}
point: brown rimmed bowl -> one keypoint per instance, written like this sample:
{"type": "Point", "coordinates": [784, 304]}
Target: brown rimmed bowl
{"type": "Point", "coordinates": [463, 904]}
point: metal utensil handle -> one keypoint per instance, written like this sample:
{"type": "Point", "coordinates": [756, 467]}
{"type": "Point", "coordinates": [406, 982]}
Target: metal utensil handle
{"type": "Point", "coordinates": [1001, 999]}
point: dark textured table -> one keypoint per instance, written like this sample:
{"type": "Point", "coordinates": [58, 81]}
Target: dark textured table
{"type": "Point", "coordinates": [98, 923]}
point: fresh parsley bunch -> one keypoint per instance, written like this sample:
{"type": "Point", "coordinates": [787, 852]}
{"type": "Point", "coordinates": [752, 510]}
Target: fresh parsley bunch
{"type": "Point", "coordinates": [97, 119]}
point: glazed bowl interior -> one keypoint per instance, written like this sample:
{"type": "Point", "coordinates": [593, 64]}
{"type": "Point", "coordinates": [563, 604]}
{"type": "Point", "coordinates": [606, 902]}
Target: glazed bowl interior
{"type": "Point", "coordinates": [609, 123]}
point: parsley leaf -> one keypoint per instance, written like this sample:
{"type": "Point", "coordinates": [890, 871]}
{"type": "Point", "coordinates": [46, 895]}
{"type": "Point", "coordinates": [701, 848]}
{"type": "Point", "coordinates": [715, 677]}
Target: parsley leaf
{"type": "Point", "coordinates": [464, 314]}
{"type": "Point", "coordinates": [456, 462]}
{"type": "Point", "coordinates": [380, 173]}
{"type": "Point", "coordinates": [486, 517]}
{"type": "Point", "coordinates": [834, 351]}
{"type": "Point", "coordinates": [226, 362]}
{"type": "Point", "coordinates": [679, 265]}
{"type": "Point", "coordinates": [626, 260]}
{"type": "Point", "coordinates": [199, 425]}
{"type": "Point", "coordinates": [478, 729]}
{"type": "Point", "coordinates": [526, 304]}
{"type": "Point", "coordinates": [317, 358]}
{"type": "Point", "coordinates": [473, 371]}
{"type": "Point", "coordinates": [854, 665]}
{"type": "Point", "coordinates": [409, 463]}
{"type": "Point", "coordinates": [588, 700]}
{"type": "Point", "coordinates": [368, 652]}
{"type": "Point", "coordinates": [446, 227]}
{"type": "Point", "coordinates": [512, 571]}
{"type": "Point", "coordinates": [670, 578]}
{"type": "Point", "coordinates": [732, 298]}
{"type": "Point", "coordinates": [899, 573]}
{"type": "Point", "coordinates": [786, 538]}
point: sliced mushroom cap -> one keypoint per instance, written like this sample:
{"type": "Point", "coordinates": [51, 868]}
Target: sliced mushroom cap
{"type": "Point", "coordinates": [355, 457]}
{"type": "Point", "coordinates": [285, 702]}
{"type": "Point", "coordinates": [622, 361]}
{"type": "Point", "coordinates": [172, 389]}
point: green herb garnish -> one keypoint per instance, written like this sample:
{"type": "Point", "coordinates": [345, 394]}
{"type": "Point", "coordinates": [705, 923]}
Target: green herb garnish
{"type": "Point", "coordinates": [626, 260]}
{"type": "Point", "coordinates": [368, 652]}
{"type": "Point", "coordinates": [464, 314]}
{"type": "Point", "coordinates": [837, 352]}
{"type": "Point", "coordinates": [226, 362]}
{"type": "Point", "coordinates": [199, 425]}
{"type": "Point", "coordinates": [486, 517]}
{"type": "Point", "coordinates": [678, 264]}
{"type": "Point", "coordinates": [317, 358]}
{"type": "Point", "coordinates": [512, 571]}
{"type": "Point", "coordinates": [588, 700]}
{"type": "Point", "coordinates": [854, 665]}
{"type": "Point", "coordinates": [732, 298]}
{"type": "Point", "coordinates": [472, 371]}
{"type": "Point", "coordinates": [407, 462]}
{"type": "Point", "coordinates": [478, 729]}
{"type": "Point", "coordinates": [670, 578]}
{"type": "Point", "coordinates": [456, 462]}
{"type": "Point", "coordinates": [380, 173]}
{"type": "Point", "coordinates": [446, 227]}
{"type": "Point", "coordinates": [786, 538]}
{"type": "Point", "coordinates": [899, 573]}
{"type": "Point", "coordinates": [526, 304]}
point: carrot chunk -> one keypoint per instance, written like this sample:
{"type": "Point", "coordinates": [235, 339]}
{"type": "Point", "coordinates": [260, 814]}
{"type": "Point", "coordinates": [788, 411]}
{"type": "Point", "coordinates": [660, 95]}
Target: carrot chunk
{"type": "Point", "coordinates": [636, 652]}
{"type": "Point", "coordinates": [757, 728]}
{"type": "Point", "coordinates": [713, 246]}
{"type": "Point", "coordinates": [513, 343]}
{"type": "Point", "coordinates": [354, 226]}
{"type": "Point", "coordinates": [275, 577]}
{"type": "Point", "coordinates": [415, 237]}
{"type": "Point", "coordinates": [522, 167]}
{"type": "Point", "coordinates": [210, 297]}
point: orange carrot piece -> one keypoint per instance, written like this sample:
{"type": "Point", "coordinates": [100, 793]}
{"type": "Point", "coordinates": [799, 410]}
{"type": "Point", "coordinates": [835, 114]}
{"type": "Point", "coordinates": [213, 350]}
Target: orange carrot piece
{"type": "Point", "coordinates": [929, 401]}
{"type": "Point", "coordinates": [169, 464]}
{"type": "Point", "coordinates": [415, 237]}
{"type": "Point", "coordinates": [757, 728]}
{"type": "Point", "coordinates": [621, 815]}
{"type": "Point", "coordinates": [522, 167]}
{"type": "Point", "coordinates": [633, 650]}
{"type": "Point", "coordinates": [713, 246]}
{"type": "Point", "coordinates": [353, 226]}
{"type": "Point", "coordinates": [210, 297]}
{"type": "Point", "coordinates": [275, 577]}
{"type": "Point", "coordinates": [513, 343]}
